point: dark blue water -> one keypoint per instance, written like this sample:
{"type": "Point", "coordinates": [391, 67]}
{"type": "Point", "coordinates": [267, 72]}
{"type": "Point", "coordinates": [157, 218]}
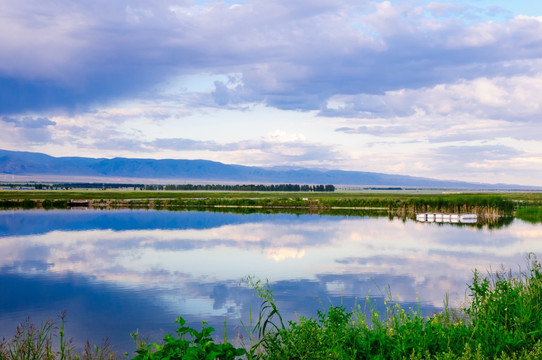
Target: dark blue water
{"type": "Point", "coordinates": [117, 272]}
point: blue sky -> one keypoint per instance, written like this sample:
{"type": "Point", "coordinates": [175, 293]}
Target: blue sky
{"type": "Point", "coordinates": [446, 90]}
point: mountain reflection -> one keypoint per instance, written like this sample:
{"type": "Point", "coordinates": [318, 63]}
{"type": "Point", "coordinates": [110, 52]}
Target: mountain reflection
{"type": "Point", "coordinates": [117, 271]}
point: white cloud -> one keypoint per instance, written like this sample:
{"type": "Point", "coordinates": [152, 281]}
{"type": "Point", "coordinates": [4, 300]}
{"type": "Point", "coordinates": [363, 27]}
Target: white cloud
{"type": "Point", "coordinates": [173, 79]}
{"type": "Point", "coordinates": [500, 98]}
{"type": "Point", "coordinates": [289, 55]}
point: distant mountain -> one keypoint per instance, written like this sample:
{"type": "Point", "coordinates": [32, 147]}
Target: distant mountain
{"type": "Point", "coordinates": [37, 164]}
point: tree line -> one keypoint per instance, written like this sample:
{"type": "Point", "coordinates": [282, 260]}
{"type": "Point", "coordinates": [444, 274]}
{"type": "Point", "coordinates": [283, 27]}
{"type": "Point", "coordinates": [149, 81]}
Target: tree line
{"type": "Point", "coordinates": [245, 187]}
{"type": "Point", "coordinates": [188, 187]}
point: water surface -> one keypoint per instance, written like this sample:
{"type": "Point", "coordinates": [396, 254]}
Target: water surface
{"type": "Point", "coordinates": [115, 272]}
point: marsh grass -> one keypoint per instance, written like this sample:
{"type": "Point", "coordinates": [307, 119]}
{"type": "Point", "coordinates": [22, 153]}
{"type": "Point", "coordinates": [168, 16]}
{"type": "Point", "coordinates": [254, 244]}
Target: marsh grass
{"type": "Point", "coordinates": [32, 342]}
{"type": "Point", "coordinates": [501, 203]}
{"type": "Point", "coordinates": [29, 342]}
{"type": "Point", "coordinates": [532, 214]}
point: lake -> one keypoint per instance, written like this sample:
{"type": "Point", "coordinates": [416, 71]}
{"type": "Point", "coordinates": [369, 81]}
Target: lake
{"type": "Point", "coordinates": [115, 272]}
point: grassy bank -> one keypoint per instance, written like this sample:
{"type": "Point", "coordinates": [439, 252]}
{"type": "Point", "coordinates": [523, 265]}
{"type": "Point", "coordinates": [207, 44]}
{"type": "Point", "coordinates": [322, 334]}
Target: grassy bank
{"type": "Point", "coordinates": [524, 198]}
{"type": "Point", "coordinates": [397, 203]}
{"type": "Point", "coordinates": [502, 319]}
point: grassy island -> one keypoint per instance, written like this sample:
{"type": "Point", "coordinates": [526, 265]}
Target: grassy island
{"type": "Point", "coordinates": [397, 203]}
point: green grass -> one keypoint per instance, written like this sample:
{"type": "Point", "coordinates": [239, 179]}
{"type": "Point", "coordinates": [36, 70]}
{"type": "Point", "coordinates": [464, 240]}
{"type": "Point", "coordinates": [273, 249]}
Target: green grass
{"type": "Point", "coordinates": [532, 214]}
{"type": "Point", "coordinates": [399, 203]}
{"type": "Point", "coordinates": [502, 320]}
{"type": "Point", "coordinates": [526, 198]}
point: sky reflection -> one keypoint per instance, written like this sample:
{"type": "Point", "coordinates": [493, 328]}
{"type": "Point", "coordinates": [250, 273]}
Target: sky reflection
{"type": "Point", "coordinates": [109, 264]}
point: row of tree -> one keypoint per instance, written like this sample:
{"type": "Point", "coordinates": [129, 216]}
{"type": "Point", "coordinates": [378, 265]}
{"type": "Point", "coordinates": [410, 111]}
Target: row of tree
{"type": "Point", "coordinates": [244, 187]}
{"type": "Point", "coordinates": [208, 187]}
{"type": "Point", "coordinates": [69, 186]}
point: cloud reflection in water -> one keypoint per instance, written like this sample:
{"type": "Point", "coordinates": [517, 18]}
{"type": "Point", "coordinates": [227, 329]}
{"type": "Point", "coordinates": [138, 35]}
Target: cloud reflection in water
{"type": "Point", "coordinates": [169, 267]}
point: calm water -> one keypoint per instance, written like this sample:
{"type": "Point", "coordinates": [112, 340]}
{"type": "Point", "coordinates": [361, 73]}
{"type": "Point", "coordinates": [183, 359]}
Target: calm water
{"type": "Point", "coordinates": [115, 272]}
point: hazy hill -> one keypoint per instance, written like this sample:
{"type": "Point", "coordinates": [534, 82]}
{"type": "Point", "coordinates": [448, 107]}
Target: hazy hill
{"type": "Point", "coordinates": [36, 164]}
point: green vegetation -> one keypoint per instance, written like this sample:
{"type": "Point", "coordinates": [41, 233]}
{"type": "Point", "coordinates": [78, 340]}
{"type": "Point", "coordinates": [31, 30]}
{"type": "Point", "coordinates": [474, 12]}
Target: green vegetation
{"type": "Point", "coordinates": [491, 208]}
{"type": "Point", "coordinates": [532, 214]}
{"type": "Point", "coordinates": [31, 342]}
{"type": "Point", "coordinates": [503, 320]}
{"type": "Point", "coordinates": [189, 344]}
{"type": "Point", "coordinates": [36, 343]}
{"type": "Point", "coordinates": [486, 205]}
{"type": "Point", "coordinates": [54, 204]}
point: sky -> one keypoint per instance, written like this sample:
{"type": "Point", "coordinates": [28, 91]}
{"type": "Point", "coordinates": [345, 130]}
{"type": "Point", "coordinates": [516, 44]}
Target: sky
{"type": "Point", "coordinates": [445, 90]}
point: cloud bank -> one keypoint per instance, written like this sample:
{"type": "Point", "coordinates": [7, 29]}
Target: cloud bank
{"type": "Point", "coordinates": [171, 78]}
{"type": "Point", "coordinates": [288, 55]}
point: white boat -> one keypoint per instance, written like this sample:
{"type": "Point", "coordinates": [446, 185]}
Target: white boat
{"type": "Point", "coordinates": [421, 217]}
{"type": "Point", "coordinates": [468, 218]}
{"type": "Point", "coordinates": [447, 218]}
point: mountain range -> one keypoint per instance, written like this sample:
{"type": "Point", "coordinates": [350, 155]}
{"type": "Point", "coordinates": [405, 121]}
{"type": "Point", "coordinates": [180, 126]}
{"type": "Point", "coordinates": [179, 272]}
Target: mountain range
{"type": "Point", "coordinates": [34, 165]}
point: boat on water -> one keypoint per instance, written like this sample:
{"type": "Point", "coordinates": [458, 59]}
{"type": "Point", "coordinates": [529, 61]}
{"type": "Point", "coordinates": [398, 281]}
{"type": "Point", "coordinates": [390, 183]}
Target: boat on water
{"type": "Point", "coordinates": [468, 218]}
{"type": "Point", "coordinates": [447, 218]}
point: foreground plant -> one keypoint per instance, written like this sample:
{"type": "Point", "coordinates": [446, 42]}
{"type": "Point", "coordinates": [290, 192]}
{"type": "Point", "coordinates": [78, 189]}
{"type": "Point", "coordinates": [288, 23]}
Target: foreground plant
{"type": "Point", "coordinates": [505, 311]}
{"type": "Point", "coordinates": [189, 344]}
{"type": "Point", "coordinates": [503, 321]}
{"type": "Point", "coordinates": [31, 342]}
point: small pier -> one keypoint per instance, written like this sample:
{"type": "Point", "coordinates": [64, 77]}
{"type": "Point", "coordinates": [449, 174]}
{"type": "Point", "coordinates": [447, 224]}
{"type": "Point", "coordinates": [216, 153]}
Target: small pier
{"type": "Point", "coordinates": [447, 218]}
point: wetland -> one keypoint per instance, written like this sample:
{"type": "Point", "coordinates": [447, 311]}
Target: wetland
{"type": "Point", "coordinates": [115, 270]}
